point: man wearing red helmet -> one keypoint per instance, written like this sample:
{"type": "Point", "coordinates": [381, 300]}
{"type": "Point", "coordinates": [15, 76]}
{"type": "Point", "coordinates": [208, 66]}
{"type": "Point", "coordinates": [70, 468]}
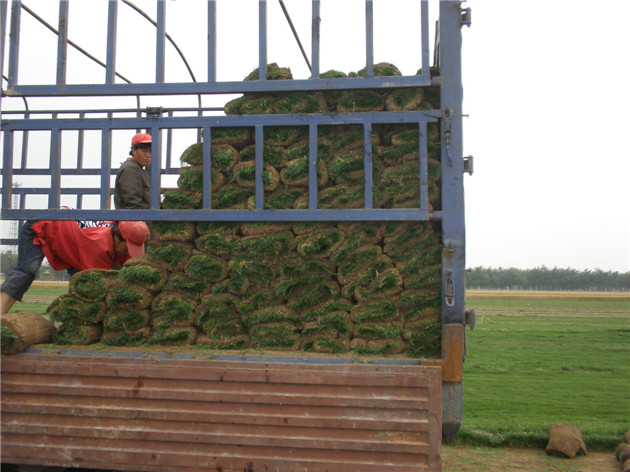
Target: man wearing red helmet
{"type": "Point", "coordinates": [66, 245]}
{"type": "Point", "coordinates": [133, 185]}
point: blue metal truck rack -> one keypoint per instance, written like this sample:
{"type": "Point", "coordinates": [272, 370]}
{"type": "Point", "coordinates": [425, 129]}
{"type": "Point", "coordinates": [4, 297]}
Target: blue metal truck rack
{"type": "Point", "coordinates": [18, 127]}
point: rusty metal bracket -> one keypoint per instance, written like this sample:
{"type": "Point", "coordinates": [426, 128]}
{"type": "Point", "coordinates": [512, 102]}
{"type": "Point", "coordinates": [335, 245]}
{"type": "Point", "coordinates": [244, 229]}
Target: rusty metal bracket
{"type": "Point", "coordinates": [452, 353]}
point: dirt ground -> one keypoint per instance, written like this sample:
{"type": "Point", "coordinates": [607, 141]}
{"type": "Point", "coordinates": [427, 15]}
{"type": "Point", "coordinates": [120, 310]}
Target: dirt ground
{"type": "Point", "coordinates": [482, 459]}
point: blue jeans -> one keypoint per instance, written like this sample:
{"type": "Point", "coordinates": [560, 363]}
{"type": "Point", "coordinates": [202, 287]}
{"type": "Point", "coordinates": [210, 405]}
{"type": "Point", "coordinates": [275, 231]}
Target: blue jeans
{"type": "Point", "coordinates": [30, 258]}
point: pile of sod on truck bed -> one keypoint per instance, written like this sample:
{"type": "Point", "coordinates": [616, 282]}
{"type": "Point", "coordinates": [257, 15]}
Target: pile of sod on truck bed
{"type": "Point", "coordinates": [327, 287]}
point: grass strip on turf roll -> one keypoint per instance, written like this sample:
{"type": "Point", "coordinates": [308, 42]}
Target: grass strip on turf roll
{"type": "Point", "coordinates": [182, 284]}
{"type": "Point", "coordinates": [143, 271]}
{"type": "Point", "coordinates": [172, 255]}
{"type": "Point", "coordinates": [91, 285]}
{"type": "Point", "coordinates": [123, 295]}
{"type": "Point", "coordinates": [182, 200]}
{"type": "Point", "coordinates": [275, 156]}
{"type": "Point", "coordinates": [68, 308]}
{"type": "Point", "coordinates": [237, 137]}
{"type": "Point", "coordinates": [126, 338]}
{"type": "Point", "coordinates": [202, 266]}
{"type": "Point", "coordinates": [78, 335]}
{"type": "Point", "coordinates": [170, 309]}
{"type": "Point", "coordinates": [218, 244]}
{"type": "Point", "coordinates": [222, 342]}
{"type": "Point", "coordinates": [128, 319]}
{"type": "Point", "coordinates": [172, 230]}
{"type": "Point", "coordinates": [174, 336]}
{"type": "Point", "coordinates": [215, 309]}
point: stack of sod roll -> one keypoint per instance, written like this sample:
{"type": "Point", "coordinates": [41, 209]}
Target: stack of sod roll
{"type": "Point", "coordinates": [329, 287]}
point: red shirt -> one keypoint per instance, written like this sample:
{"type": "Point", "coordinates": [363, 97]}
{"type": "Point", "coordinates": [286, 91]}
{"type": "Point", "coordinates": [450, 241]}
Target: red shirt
{"type": "Point", "coordinates": [66, 245]}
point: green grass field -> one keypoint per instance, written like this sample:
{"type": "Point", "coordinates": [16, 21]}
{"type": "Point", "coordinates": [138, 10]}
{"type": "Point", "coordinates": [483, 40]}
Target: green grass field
{"type": "Point", "coordinates": [530, 362]}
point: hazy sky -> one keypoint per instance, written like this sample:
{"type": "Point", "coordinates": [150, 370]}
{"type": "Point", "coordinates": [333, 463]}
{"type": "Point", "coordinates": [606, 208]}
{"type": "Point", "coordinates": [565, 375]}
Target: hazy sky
{"type": "Point", "coordinates": [545, 94]}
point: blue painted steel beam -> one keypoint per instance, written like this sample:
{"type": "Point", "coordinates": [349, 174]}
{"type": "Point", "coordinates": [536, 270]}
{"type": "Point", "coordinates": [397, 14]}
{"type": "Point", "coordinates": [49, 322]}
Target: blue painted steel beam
{"type": "Point", "coordinates": [259, 139]}
{"type": "Point", "coordinates": [424, 172]}
{"type": "Point", "coordinates": [55, 166]}
{"type": "Point", "coordinates": [312, 166]}
{"type": "Point", "coordinates": [207, 166]}
{"type": "Point", "coordinates": [86, 113]}
{"type": "Point", "coordinates": [156, 146]}
{"type": "Point", "coordinates": [424, 32]}
{"type": "Point", "coordinates": [452, 163]}
{"type": "Point", "coordinates": [369, 38]}
{"type": "Point", "coordinates": [160, 32]}
{"type": "Point", "coordinates": [262, 41]}
{"type": "Point", "coordinates": [7, 171]}
{"type": "Point", "coordinates": [195, 88]}
{"type": "Point", "coordinates": [14, 43]}
{"type": "Point", "coordinates": [80, 144]}
{"type": "Point", "coordinates": [62, 42]}
{"type": "Point", "coordinates": [222, 121]}
{"type": "Point", "coordinates": [89, 171]}
{"type": "Point", "coordinates": [3, 30]}
{"type": "Point", "coordinates": [212, 41]}
{"type": "Point", "coordinates": [315, 23]}
{"type": "Point", "coordinates": [106, 149]}
{"type": "Point", "coordinates": [110, 67]}
{"type": "Point", "coordinates": [225, 215]}
{"type": "Point", "coordinates": [367, 163]}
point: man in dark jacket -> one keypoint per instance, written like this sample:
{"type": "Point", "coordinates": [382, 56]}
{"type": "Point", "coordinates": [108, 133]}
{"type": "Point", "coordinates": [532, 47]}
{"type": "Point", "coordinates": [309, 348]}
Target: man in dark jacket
{"type": "Point", "coordinates": [133, 186]}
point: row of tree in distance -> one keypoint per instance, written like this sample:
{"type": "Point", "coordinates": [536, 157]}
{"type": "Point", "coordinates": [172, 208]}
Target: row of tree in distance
{"type": "Point", "coordinates": [544, 278]}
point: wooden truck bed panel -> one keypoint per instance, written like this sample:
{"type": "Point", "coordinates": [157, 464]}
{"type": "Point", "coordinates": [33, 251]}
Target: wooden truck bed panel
{"type": "Point", "coordinates": [135, 413]}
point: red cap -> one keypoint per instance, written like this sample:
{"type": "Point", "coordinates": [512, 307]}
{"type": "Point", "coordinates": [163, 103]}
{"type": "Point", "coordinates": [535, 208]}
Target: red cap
{"type": "Point", "coordinates": [141, 138]}
{"type": "Point", "coordinates": [135, 234]}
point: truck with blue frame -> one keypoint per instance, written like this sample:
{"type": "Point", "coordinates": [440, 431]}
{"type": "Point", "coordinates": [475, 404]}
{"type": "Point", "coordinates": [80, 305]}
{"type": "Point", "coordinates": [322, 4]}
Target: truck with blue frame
{"type": "Point", "coordinates": [252, 409]}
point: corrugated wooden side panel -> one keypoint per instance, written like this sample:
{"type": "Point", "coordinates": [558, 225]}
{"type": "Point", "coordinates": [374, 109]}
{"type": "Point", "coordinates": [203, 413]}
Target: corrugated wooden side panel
{"type": "Point", "coordinates": [183, 415]}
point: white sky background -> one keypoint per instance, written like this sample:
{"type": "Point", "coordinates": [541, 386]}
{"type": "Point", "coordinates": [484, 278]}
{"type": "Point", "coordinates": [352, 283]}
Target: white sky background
{"type": "Point", "coordinates": [545, 91]}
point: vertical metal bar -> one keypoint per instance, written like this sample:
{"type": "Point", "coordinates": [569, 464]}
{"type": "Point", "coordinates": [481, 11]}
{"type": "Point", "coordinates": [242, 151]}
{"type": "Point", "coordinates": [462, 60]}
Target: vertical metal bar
{"type": "Point", "coordinates": [312, 166]}
{"type": "Point", "coordinates": [169, 143]}
{"type": "Point", "coordinates": [156, 166]}
{"type": "Point", "coordinates": [262, 40]}
{"type": "Point", "coordinates": [55, 167]}
{"type": "Point", "coordinates": [424, 173]}
{"type": "Point", "coordinates": [259, 166]}
{"type": "Point", "coordinates": [452, 161]}
{"type": "Point", "coordinates": [160, 35]}
{"type": "Point", "coordinates": [3, 31]}
{"type": "Point", "coordinates": [367, 163]}
{"type": "Point", "coordinates": [212, 40]}
{"type": "Point", "coordinates": [7, 169]}
{"type": "Point", "coordinates": [106, 165]}
{"type": "Point", "coordinates": [453, 235]}
{"type": "Point", "coordinates": [14, 43]}
{"type": "Point", "coordinates": [316, 20]}
{"type": "Point", "coordinates": [110, 68]}
{"type": "Point", "coordinates": [25, 136]}
{"type": "Point", "coordinates": [424, 26]}
{"type": "Point", "coordinates": [207, 166]}
{"type": "Point", "coordinates": [62, 42]}
{"type": "Point", "coordinates": [369, 38]}
{"type": "Point", "coordinates": [80, 145]}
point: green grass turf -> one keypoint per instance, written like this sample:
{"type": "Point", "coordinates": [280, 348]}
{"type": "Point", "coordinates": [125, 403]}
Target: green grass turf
{"type": "Point", "coordinates": [37, 299]}
{"type": "Point", "coordinates": [563, 361]}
